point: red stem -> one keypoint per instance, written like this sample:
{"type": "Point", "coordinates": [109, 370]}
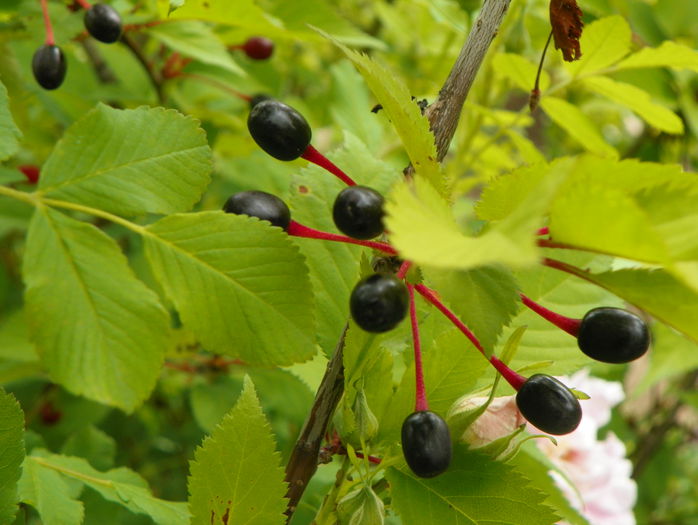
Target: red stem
{"type": "Point", "coordinates": [371, 459]}
{"type": "Point", "coordinates": [420, 403]}
{"type": "Point", "coordinates": [50, 40]}
{"type": "Point", "coordinates": [543, 231]}
{"type": "Point", "coordinates": [547, 243]}
{"type": "Point", "coordinates": [84, 4]}
{"type": "Point", "coordinates": [404, 268]}
{"type": "Point", "coordinates": [299, 230]}
{"type": "Point", "coordinates": [568, 324]}
{"type": "Point", "coordinates": [312, 155]}
{"type": "Point", "coordinates": [567, 268]}
{"type": "Point", "coordinates": [513, 378]}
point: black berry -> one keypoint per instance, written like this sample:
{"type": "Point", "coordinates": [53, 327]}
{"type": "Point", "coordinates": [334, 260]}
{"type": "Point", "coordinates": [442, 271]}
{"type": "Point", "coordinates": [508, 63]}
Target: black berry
{"type": "Point", "coordinates": [549, 405]}
{"type": "Point", "coordinates": [49, 66]}
{"type": "Point", "coordinates": [103, 23]}
{"type": "Point", "coordinates": [613, 335]}
{"type": "Point", "coordinates": [262, 205]}
{"type": "Point", "coordinates": [426, 443]}
{"type": "Point", "coordinates": [358, 212]}
{"type": "Point", "coordinates": [279, 129]}
{"type": "Point", "coordinates": [379, 302]}
{"type": "Point", "coordinates": [259, 97]}
{"type": "Point", "coordinates": [258, 48]}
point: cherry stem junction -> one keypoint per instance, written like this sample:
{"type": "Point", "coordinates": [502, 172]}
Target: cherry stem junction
{"type": "Point", "coordinates": [568, 324]}
{"type": "Point", "coordinates": [299, 230]}
{"type": "Point", "coordinates": [312, 155]}
{"type": "Point", "coordinates": [515, 379]}
{"type": "Point", "coordinates": [420, 392]}
{"type": "Point", "coordinates": [50, 39]}
{"type": "Point", "coordinates": [84, 4]}
{"type": "Point", "coordinates": [404, 268]}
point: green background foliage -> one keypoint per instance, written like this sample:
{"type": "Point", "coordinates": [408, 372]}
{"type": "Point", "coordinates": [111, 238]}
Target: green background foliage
{"type": "Point", "coordinates": [136, 318]}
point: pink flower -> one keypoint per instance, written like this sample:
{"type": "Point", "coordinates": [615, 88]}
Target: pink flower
{"type": "Point", "coordinates": [598, 481]}
{"type": "Point", "coordinates": [501, 418]}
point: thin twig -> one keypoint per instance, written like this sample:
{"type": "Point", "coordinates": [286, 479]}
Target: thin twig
{"type": "Point", "coordinates": [445, 112]}
{"type": "Point", "coordinates": [153, 73]}
{"type": "Point", "coordinates": [304, 459]}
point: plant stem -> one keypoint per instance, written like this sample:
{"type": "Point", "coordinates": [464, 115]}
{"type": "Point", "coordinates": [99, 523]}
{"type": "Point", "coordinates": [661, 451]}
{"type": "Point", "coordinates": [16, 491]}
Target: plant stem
{"type": "Point", "coordinates": [137, 228]}
{"type": "Point", "coordinates": [569, 325]}
{"type": "Point", "coordinates": [420, 403]}
{"type": "Point", "coordinates": [153, 74]}
{"type": "Point", "coordinates": [299, 230]}
{"type": "Point", "coordinates": [324, 516]}
{"type": "Point", "coordinates": [445, 112]}
{"type": "Point", "coordinates": [535, 92]}
{"type": "Point", "coordinates": [312, 155]}
{"type": "Point", "coordinates": [543, 231]}
{"type": "Point", "coordinates": [512, 377]}
{"type": "Point", "coordinates": [50, 40]}
{"type": "Point", "coordinates": [304, 458]}
{"type": "Point", "coordinates": [404, 268]}
{"type": "Point", "coordinates": [84, 4]}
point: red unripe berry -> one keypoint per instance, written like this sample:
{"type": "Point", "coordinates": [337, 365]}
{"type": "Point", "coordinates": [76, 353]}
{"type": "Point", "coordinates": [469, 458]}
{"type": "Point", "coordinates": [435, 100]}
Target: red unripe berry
{"type": "Point", "coordinates": [258, 48]}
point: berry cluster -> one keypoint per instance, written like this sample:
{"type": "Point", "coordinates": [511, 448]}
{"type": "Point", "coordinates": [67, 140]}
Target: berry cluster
{"type": "Point", "coordinates": [49, 64]}
{"type": "Point", "coordinates": [379, 302]}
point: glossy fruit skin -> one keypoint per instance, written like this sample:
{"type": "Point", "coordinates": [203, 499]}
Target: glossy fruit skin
{"type": "Point", "coordinates": [549, 405]}
{"type": "Point", "coordinates": [103, 23]}
{"type": "Point", "coordinates": [358, 212]}
{"type": "Point", "coordinates": [260, 204]}
{"type": "Point", "coordinates": [258, 48]}
{"type": "Point", "coordinates": [426, 443]}
{"type": "Point", "coordinates": [259, 97]}
{"type": "Point", "coordinates": [613, 335]}
{"type": "Point", "coordinates": [279, 129]}
{"type": "Point", "coordinates": [49, 66]}
{"type": "Point", "coordinates": [379, 302]}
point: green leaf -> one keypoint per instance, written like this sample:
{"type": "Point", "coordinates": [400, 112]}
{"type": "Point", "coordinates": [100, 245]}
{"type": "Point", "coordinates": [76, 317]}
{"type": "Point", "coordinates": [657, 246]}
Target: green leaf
{"type": "Point", "coordinates": [299, 17]}
{"type": "Point", "coordinates": [637, 100]}
{"type": "Point", "coordinates": [475, 490]}
{"type": "Point", "coordinates": [423, 229]}
{"type": "Point", "coordinates": [452, 367]}
{"type": "Point", "coordinates": [671, 356]}
{"type": "Point", "coordinates": [196, 40]}
{"type": "Point", "coordinates": [92, 444]}
{"type": "Point", "coordinates": [585, 210]}
{"type": "Point", "coordinates": [361, 506]}
{"type": "Point", "coordinates": [603, 42]}
{"type": "Point", "coordinates": [577, 125]}
{"type": "Point", "coordinates": [668, 54]}
{"type": "Point", "coordinates": [538, 473]}
{"type": "Point", "coordinates": [211, 401]}
{"type": "Point", "coordinates": [235, 475]}
{"type": "Point", "coordinates": [11, 454]}
{"type": "Point", "coordinates": [655, 291]}
{"type": "Point", "coordinates": [9, 132]}
{"type": "Point", "coordinates": [485, 299]}
{"type": "Point", "coordinates": [120, 485]}
{"type": "Point", "coordinates": [49, 493]}
{"type": "Point", "coordinates": [130, 161]}
{"type": "Point", "coordinates": [100, 332]}
{"type": "Point", "coordinates": [238, 283]}
{"type": "Point", "coordinates": [520, 71]}
{"type": "Point", "coordinates": [246, 14]}
{"type": "Point", "coordinates": [404, 114]}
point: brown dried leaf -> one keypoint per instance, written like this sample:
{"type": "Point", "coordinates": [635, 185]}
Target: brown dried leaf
{"type": "Point", "coordinates": [566, 20]}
